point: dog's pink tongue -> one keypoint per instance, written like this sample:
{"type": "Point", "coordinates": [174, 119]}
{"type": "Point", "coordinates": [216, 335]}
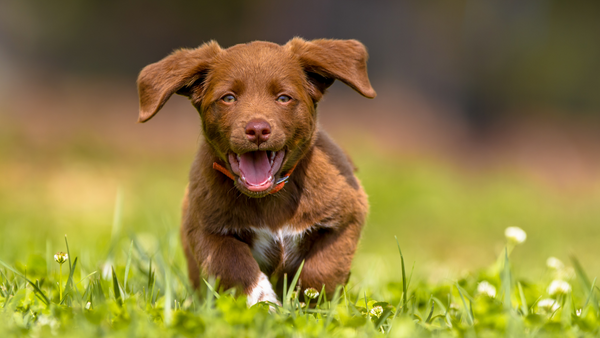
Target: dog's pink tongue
{"type": "Point", "coordinates": [255, 167]}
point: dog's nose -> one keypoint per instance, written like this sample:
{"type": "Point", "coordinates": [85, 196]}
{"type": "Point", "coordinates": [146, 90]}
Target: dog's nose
{"type": "Point", "coordinates": [258, 131]}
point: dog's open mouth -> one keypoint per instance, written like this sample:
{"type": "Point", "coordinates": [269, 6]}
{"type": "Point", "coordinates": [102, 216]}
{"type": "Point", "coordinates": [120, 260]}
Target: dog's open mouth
{"type": "Point", "coordinates": [256, 169]}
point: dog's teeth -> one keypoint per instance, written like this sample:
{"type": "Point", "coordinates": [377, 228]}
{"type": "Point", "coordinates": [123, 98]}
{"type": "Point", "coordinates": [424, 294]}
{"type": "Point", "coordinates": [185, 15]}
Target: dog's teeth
{"type": "Point", "coordinates": [238, 157]}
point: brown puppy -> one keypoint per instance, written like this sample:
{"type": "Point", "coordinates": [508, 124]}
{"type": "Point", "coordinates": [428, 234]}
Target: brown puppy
{"type": "Point", "coordinates": [267, 189]}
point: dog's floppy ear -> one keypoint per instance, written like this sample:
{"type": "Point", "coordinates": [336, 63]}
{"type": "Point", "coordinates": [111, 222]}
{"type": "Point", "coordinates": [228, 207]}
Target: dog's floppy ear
{"type": "Point", "coordinates": [158, 81]}
{"type": "Point", "coordinates": [325, 61]}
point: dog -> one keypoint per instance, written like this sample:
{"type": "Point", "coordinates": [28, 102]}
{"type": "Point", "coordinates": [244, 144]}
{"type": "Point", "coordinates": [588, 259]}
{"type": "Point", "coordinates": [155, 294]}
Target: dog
{"type": "Point", "coordinates": [268, 189]}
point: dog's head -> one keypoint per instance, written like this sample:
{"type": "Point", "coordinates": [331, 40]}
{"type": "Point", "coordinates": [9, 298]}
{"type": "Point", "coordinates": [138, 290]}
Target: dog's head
{"type": "Point", "coordinates": [257, 101]}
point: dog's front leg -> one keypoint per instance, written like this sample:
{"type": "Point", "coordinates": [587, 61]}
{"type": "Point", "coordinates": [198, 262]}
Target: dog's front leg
{"type": "Point", "coordinates": [230, 259]}
{"type": "Point", "coordinates": [329, 258]}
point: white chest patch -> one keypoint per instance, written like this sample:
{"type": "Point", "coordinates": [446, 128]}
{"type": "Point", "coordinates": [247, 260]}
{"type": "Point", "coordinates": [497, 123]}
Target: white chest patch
{"type": "Point", "coordinates": [269, 245]}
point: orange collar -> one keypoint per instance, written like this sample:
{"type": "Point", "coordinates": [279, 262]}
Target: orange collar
{"type": "Point", "coordinates": [278, 185]}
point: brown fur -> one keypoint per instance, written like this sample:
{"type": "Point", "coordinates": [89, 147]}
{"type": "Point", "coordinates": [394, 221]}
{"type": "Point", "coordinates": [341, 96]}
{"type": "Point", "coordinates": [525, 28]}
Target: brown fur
{"type": "Point", "coordinates": [323, 198]}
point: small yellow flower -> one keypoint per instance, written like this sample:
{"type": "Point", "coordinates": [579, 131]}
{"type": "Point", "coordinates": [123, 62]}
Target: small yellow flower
{"type": "Point", "coordinates": [61, 257]}
{"type": "Point", "coordinates": [515, 235]}
{"type": "Point", "coordinates": [311, 293]}
{"type": "Point", "coordinates": [376, 311]}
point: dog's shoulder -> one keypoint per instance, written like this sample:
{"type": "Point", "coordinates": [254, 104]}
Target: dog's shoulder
{"type": "Point", "coordinates": [337, 157]}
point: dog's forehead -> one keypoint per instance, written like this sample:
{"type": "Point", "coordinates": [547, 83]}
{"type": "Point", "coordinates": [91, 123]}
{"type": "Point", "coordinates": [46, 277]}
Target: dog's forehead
{"type": "Point", "coordinates": [257, 58]}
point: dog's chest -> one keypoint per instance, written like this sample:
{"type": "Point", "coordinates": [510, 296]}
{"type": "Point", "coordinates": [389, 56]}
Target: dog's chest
{"type": "Point", "coordinates": [272, 248]}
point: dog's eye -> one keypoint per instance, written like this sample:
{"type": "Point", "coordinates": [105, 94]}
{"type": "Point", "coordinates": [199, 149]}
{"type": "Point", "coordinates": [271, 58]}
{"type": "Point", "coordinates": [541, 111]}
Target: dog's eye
{"type": "Point", "coordinates": [284, 99]}
{"type": "Point", "coordinates": [228, 98]}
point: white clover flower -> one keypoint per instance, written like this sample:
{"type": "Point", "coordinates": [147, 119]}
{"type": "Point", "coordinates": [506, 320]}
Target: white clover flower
{"type": "Point", "coordinates": [311, 293]}
{"type": "Point", "coordinates": [515, 235]}
{"type": "Point", "coordinates": [548, 305]}
{"type": "Point", "coordinates": [61, 257]}
{"type": "Point", "coordinates": [376, 311]}
{"type": "Point", "coordinates": [559, 287]}
{"type": "Point", "coordinates": [485, 288]}
{"type": "Point", "coordinates": [554, 263]}
{"type": "Point", "coordinates": [106, 269]}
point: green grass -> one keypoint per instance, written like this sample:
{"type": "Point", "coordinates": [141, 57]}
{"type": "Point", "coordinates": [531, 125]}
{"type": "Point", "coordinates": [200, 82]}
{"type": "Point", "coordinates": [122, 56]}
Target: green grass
{"type": "Point", "coordinates": [126, 275]}
{"type": "Point", "coordinates": [141, 293]}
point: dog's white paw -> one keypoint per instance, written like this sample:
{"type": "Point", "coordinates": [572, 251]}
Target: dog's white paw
{"type": "Point", "coordinates": [262, 291]}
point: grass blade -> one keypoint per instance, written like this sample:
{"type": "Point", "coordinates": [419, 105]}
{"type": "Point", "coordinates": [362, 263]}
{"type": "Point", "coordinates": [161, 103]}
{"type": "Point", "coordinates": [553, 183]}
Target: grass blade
{"type": "Point", "coordinates": [168, 311]}
{"type": "Point", "coordinates": [70, 286]}
{"type": "Point", "coordinates": [284, 289]}
{"type": "Point", "coordinates": [585, 283]}
{"type": "Point", "coordinates": [444, 309]}
{"type": "Point", "coordinates": [116, 287]}
{"type": "Point", "coordinates": [523, 300]}
{"type": "Point", "coordinates": [506, 282]}
{"type": "Point", "coordinates": [68, 255]}
{"type": "Point", "coordinates": [428, 320]}
{"type": "Point", "coordinates": [392, 320]}
{"type": "Point", "coordinates": [404, 286]}
{"type": "Point", "coordinates": [87, 294]}
{"type": "Point", "coordinates": [295, 281]}
{"type": "Point", "coordinates": [589, 297]}
{"type": "Point", "coordinates": [583, 278]}
{"type": "Point", "coordinates": [211, 289]}
{"type": "Point", "coordinates": [127, 267]}
{"type": "Point", "coordinates": [385, 315]}
{"type": "Point", "coordinates": [320, 296]}
{"type": "Point", "coordinates": [150, 281]}
{"type": "Point", "coordinates": [346, 300]}
{"type": "Point", "coordinates": [469, 313]}
{"type": "Point", "coordinates": [412, 270]}
{"type": "Point", "coordinates": [332, 306]}
{"type": "Point", "coordinates": [37, 290]}
{"type": "Point", "coordinates": [86, 277]}
{"type": "Point", "coordinates": [98, 291]}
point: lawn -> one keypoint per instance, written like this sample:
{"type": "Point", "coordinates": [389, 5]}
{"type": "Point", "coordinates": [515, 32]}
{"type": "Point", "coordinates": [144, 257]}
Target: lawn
{"type": "Point", "coordinates": [115, 211]}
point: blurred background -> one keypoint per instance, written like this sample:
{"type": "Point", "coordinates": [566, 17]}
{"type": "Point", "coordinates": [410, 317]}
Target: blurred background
{"type": "Point", "coordinates": [487, 116]}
